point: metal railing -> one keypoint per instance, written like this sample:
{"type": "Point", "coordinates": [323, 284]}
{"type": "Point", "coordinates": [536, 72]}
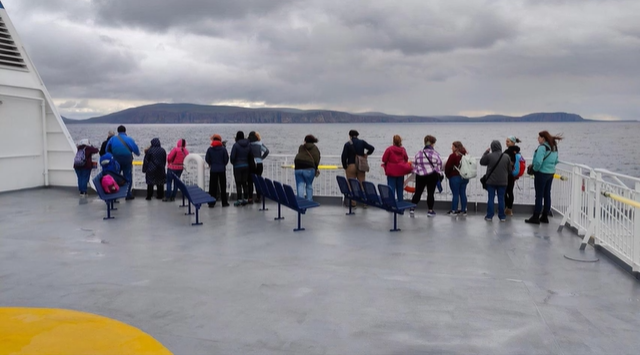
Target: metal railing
{"type": "Point", "coordinates": [598, 203]}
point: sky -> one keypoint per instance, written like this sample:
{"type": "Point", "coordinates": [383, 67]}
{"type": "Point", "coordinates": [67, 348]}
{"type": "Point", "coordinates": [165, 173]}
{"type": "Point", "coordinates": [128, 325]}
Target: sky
{"type": "Point", "coordinates": [407, 57]}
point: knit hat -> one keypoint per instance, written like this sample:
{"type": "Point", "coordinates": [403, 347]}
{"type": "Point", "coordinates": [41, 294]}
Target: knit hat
{"type": "Point", "coordinates": [216, 137]}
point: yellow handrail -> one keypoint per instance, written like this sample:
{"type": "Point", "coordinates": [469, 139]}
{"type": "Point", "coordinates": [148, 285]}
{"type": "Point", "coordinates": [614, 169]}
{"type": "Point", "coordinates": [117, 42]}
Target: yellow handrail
{"type": "Point", "coordinates": [619, 198]}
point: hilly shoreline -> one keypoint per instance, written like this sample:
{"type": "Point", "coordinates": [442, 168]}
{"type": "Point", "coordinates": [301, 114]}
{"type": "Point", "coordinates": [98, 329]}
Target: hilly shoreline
{"type": "Point", "coordinates": [191, 113]}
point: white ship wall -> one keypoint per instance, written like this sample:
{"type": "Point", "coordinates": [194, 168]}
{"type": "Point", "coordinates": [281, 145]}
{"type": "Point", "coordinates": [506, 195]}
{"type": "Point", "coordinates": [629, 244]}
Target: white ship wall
{"type": "Point", "coordinates": [35, 147]}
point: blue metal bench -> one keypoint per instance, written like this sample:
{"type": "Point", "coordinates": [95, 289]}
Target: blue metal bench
{"type": "Point", "coordinates": [261, 188]}
{"type": "Point", "coordinates": [273, 196]}
{"type": "Point", "coordinates": [392, 205]}
{"type": "Point", "coordinates": [194, 194]}
{"type": "Point", "coordinates": [288, 198]}
{"type": "Point", "coordinates": [343, 184]}
{"type": "Point", "coordinates": [109, 199]}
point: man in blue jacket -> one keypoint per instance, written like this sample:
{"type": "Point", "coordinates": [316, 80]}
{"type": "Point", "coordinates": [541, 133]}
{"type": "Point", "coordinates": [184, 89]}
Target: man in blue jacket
{"type": "Point", "coordinates": [123, 147]}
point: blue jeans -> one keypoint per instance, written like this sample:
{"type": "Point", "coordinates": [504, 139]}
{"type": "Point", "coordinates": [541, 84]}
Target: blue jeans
{"type": "Point", "coordinates": [491, 189]}
{"type": "Point", "coordinates": [304, 180]}
{"type": "Point", "coordinates": [83, 179]}
{"type": "Point", "coordinates": [126, 166]}
{"type": "Point", "coordinates": [458, 187]}
{"type": "Point", "coordinates": [542, 183]}
{"type": "Point", "coordinates": [397, 185]}
{"type": "Point", "coordinates": [172, 193]}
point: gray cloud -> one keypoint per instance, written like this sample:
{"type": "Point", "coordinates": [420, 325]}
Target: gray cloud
{"type": "Point", "coordinates": [412, 57]}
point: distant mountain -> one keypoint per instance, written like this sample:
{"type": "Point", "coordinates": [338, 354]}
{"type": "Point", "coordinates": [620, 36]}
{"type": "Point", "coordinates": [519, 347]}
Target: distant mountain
{"type": "Point", "coordinates": [191, 113]}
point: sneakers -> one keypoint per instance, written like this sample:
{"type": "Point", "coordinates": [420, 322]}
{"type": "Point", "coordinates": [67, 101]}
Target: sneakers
{"type": "Point", "coordinates": [503, 219]}
{"type": "Point", "coordinates": [462, 213]}
{"type": "Point", "coordinates": [238, 203]}
{"type": "Point", "coordinates": [488, 219]}
{"type": "Point", "coordinates": [431, 213]}
{"type": "Point", "coordinates": [250, 201]}
{"type": "Point", "coordinates": [452, 213]}
{"type": "Point", "coordinates": [225, 204]}
{"type": "Point", "coordinates": [412, 213]}
{"type": "Point", "coordinates": [244, 202]}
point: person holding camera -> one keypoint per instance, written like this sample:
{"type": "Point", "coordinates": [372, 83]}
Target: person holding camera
{"type": "Point", "coordinates": [427, 165]}
{"type": "Point", "coordinates": [496, 179]}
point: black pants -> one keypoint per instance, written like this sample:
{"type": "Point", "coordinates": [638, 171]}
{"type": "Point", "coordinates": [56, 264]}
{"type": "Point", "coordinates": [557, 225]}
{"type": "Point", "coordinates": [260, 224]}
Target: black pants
{"type": "Point", "coordinates": [241, 175]}
{"type": "Point", "coordinates": [160, 193]}
{"type": "Point", "coordinates": [218, 183]}
{"type": "Point", "coordinates": [430, 182]}
{"type": "Point", "coordinates": [258, 171]}
{"type": "Point", "coordinates": [508, 195]}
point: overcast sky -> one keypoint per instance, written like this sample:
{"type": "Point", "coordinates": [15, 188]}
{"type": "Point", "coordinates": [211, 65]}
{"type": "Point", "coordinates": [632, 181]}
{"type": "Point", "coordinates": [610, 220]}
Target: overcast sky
{"type": "Point", "coordinates": [417, 57]}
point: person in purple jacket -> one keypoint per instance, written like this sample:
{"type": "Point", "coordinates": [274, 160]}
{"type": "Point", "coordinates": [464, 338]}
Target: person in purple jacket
{"type": "Point", "coordinates": [427, 166]}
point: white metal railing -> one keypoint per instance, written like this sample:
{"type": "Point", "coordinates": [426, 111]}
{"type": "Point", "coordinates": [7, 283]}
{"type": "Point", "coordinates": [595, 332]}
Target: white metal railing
{"type": "Point", "coordinates": [578, 195]}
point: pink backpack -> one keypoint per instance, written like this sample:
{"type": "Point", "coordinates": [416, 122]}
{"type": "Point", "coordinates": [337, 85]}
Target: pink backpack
{"type": "Point", "coordinates": [109, 184]}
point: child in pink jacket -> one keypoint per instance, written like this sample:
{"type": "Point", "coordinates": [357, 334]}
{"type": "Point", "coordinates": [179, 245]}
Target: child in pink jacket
{"type": "Point", "coordinates": [175, 164]}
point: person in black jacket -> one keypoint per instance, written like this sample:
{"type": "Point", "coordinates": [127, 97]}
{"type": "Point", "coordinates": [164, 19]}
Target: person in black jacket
{"type": "Point", "coordinates": [353, 147]}
{"type": "Point", "coordinates": [217, 158]}
{"type": "Point", "coordinates": [103, 147]}
{"type": "Point", "coordinates": [512, 150]}
{"type": "Point", "coordinates": [155, 161]}
{"type": "Point", "coordinates": [241, 158]}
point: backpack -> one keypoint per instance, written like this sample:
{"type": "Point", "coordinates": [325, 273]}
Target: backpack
{"type": "Point", "coordinates": [520, 166]}
{"type": "Point", "coordinates": [109, 184]}
{"type": "Point", "coordinates": [80, 159]}
{"type": "Point", "coordinates": [468, 167]}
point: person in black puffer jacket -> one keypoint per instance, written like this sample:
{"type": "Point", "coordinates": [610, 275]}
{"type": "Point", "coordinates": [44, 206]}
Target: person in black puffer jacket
{"type": "Point", "coordinates": [155, 161]}
{"type": "Point", "coordinates": [512, 150]}
{"type": "Point", "coordinates": [217, 158]}
{"type": "Point", "coordinates": [240, 153]}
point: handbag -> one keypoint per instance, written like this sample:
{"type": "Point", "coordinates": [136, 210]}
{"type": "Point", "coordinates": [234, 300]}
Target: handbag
{"type": "Point", "coordinates": [440, 175]}
{"type": "Point", "coordinates": [485, 177]}
{"type": "Point", "coordinates": [362, 164]}
{"type": "Point", "coordinates": [317, 170]}
{"type": "Point", "coordinates": [530, 170]}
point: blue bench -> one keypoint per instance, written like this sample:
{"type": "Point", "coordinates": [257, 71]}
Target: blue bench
{"type": "Point", "coordinates": [194, 194]}
{"type": "Point", "coordinates": [270, 189]}
{"type": "Point", "coordinates": [261, 188]}
{"type": "Point", "coordinates": [109, 199]}
{"type": "Point", "coordinates": [287, 197]}
{"type": "Point", "coordinates": [368, 194]}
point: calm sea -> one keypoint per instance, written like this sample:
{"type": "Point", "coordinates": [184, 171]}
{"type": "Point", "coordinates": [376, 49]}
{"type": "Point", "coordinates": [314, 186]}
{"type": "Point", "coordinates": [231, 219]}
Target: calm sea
{"type": "Point", "coordinates": [612, 146]}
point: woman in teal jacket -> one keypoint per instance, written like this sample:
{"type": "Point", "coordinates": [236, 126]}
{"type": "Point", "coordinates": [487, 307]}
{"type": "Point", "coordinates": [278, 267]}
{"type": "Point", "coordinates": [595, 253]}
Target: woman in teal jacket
{"type": "Point", "coordinates": [545, 159]}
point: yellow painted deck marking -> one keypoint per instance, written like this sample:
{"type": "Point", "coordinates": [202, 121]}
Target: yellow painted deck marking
{"type": "Point", "coordinates": [37, 331]}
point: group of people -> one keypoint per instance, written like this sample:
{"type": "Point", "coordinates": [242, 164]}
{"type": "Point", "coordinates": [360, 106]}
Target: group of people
{"type": "Point", "coordinates": [247, 155]}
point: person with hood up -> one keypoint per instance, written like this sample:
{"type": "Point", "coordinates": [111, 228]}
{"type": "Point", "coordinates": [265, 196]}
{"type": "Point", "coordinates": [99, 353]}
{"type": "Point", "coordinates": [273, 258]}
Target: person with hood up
{"type": "Point", "coordinates": [499, 168]}
{"type": "Point", "coordinates": [123, 147]}
{"type": "Point", "coordinates": [240, 154]}
{"type": "Point", "coordinates": [260, 152]}
{"type": "Point", "coordinates": [155, 160]}
{"type": "Point", "coordinates": [217, 158]}
{"type": "Point", "coordinates": [395, 162]}
{"type": "Point", "coordinates": [306, 166]}
{"type": "Point", "coordinates": [457, 184]}
{"type": "Point", "coordinates": [83, 170]}
{"type": "Point", "coordinates": [175, 164]}
{"type": "Point", "coordinates": [512, 150]}
{"type": "Point", "coordinates": [111, 167]}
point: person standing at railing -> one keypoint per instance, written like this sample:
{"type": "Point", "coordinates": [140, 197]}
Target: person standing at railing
{"type": "Point", "coordinates": [260, 152]}
{"type": "Point", "coordinates": [153, 167]}
{"type": "Point", "coordinates": [356, 150]}
{"type": "Point", "coordinates": [306, 166]}
{"type": "Point", "coordinates": [498, 170]}
{"type": "Point", "coordinates": [103, 147]}
{"type": "Point", "coordinates": [175, 164]}
{"type": "Point", "coordinates": [123, 147]}
{"type": "Point", "coordinates": [544, 164]}
{"type": "Point", "coordinates": [395, 162]}
{"type": "Point", "coordinates": [512, 150]}
{"type": "Point", "coordinates": [427, 166]}
{"type": "Point", "coordinates": [240, 153]}
{"type": "Point", "coordinates": [457, 184]}
{"type": "Point", "coordinates": [217, 158]}
{"type": "Point", "coordinates": [83, 167]}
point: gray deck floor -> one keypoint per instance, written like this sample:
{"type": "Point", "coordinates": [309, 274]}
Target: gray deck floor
{"type": "Point", "coordinates": [245, 284]}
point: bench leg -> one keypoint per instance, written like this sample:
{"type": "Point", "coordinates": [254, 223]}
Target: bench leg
{"type": "Point", "coordinates": [263, 204]}
{"type": "Point", "coordinates": [198, 223]}
{"type": "Point", "coordinates": [189, 212]}
{"type": "Point", "coordinates": [108, 211]}
{"type": "Point", "coordinates": [112, 207]}
{"type": "Point", "coordinates": [183, 202]}
{"type": "Point", "coordinates": [395, 223]}
{"type": "Point", "coordinates": [350, 207]}
{"type": "Point", "coordinates": [299, 227]}
{"type": "Point", "coordinates": [279, 215]}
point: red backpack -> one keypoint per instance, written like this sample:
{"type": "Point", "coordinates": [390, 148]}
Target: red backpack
{"type": "Point", "coordinates": [520, 166]}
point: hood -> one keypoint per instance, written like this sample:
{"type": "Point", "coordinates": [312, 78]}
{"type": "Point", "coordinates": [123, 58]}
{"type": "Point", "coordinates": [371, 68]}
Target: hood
{"type": "Point", "coordinates": [496, 146]}
{"type": "Point", "coordinates": [84, 142]}
{"type": "Point", "coordinates": [396, 150]}
{"type": "Point", "coordinates": [108, 163]}
{"type": "Point", "coordinates": [243, 142]}
{"type": "Point", "coordinates": [179, 143]}
{"type": "Point", "coordinates": [308, 146]}
{"type": "Point", "coordinates": [155, 142]}
{"type": "Point", "coordinates": [514, 148]}
{"type": "Point", "coordinates": [216, 144]}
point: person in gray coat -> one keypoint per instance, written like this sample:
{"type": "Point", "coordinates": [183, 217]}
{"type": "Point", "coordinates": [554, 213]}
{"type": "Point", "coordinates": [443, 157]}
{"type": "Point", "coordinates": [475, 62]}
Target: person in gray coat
{"type": "Point", "coordinates": [499, 167]}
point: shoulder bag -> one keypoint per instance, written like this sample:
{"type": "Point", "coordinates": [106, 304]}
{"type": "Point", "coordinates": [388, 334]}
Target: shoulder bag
{"type": "Point", "coordinates": [485, 178]}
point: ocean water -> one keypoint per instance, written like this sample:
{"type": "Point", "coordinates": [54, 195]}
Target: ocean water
{"type": "Point", "coordinates": [612, 146]}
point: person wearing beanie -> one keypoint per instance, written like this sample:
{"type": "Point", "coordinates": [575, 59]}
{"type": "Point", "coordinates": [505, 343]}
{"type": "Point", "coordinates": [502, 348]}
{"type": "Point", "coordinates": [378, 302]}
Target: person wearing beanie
{"type": "Point", "coordinates": [499, 168]}
{"type": "Point", "coordinates": [512, 150]}
{"type": "Point", "coordinates": [123, 148]}
{"type": "Point", "coordinates": [217, 158]}
{"type": "Point", "coordinates": [306, 166]}
{"type": "Point", "coordinates": [352, 148]}
{"type": "Point", "coordinates": [83, 168]}
{"type": "Point", "coordinates": [103, 147]}
{"type": "Point", "coordinates": [175, 165]}
{"type": "Point", "coordinates": [259, 152]}
{"type": "Point", "coordinates": [240, 154]}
